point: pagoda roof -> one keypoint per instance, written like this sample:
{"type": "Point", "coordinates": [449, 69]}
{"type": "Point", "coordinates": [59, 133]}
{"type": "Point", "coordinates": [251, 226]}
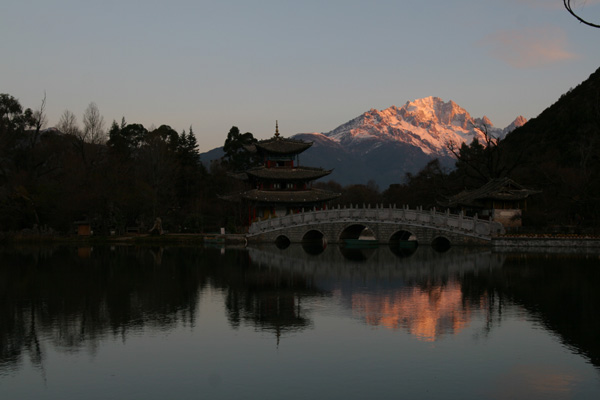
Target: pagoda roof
{"type": "Point", "coordinates": [288, 174]}
{"type": "Point", "coordinates": [296, 196]}
{"type": "Point", "coordinates": [279, 145]}
{"type": "Point", "coordinates": [503, 189]}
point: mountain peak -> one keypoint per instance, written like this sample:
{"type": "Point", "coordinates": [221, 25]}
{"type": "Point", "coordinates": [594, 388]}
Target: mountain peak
{"type": "Point", "coordinates": [486, 121]}
{"type": "Point", "coordinates": [434, 109]}
{"type": "Point", "coordinates": [428, 123]}
{"type": "Point", "coordinates": [519, 121]}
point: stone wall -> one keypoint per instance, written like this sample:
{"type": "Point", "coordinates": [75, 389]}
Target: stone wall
{"type": "Point", "coordinates": [509, 218]}
{"type": "Point", "coordinates": [519, 243]}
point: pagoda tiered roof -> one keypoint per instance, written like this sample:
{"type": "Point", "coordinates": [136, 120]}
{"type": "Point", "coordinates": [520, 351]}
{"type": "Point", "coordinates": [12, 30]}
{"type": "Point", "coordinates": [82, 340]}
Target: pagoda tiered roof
{"type": "Point", "coordinates": [279, 145]}
{"type": "Point", "coordinates": [288, 174]}
{"type": "Point", "coordinates": [283, 196]}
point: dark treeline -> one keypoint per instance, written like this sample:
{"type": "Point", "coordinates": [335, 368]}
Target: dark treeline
{"type": "Point", "coordinates": [126, 177]}
{"type": "Point", "coordinates": [131, 175]}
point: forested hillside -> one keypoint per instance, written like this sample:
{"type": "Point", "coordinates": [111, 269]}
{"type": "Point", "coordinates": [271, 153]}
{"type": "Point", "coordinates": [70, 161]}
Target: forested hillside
{"type": "Point", "coordinates": [559, 153]}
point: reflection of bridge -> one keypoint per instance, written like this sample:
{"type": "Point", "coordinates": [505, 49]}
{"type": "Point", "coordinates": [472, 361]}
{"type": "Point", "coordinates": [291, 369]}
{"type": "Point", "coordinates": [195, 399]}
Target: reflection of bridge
{"type": "Point", "coordinates": [386, 224]}
{"type": "Point", "coordinates": [380, 263]}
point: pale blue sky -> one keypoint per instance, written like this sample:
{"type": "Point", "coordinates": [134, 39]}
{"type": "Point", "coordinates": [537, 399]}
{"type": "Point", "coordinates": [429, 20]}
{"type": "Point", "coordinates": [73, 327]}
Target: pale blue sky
{"type": "Point", "coordinates": [312, 65]}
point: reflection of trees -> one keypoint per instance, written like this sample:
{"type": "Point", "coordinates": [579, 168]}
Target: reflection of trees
{"type": "Point", "coordinates": [419, 294]}
{"type": "Point", "coordinates": [264, 298]}
{"type": "Point", "coordinates": [430, 294]}
{"type": "Point", "coordinates": [561, 290]}
{"type": "Point", "coordinates": [59, 298]}
{"type": "Point", "coordinates": [56, 297]}
{"type": "Point", "coordinates": [74, 299]}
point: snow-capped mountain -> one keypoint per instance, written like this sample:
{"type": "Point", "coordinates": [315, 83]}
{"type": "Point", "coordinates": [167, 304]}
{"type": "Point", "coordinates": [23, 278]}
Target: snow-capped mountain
{"type": "Point", "coordinates": [429, 124]}
{"type": "Point", "coordinates": [385, 145]}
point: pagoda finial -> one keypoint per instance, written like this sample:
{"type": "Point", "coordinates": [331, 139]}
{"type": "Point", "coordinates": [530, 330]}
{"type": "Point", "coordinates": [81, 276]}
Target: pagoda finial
{"type": "Point", "coordinates": [276, 129]}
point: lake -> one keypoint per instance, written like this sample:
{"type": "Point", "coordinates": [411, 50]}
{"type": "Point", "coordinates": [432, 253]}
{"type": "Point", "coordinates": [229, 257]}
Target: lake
{"type": "Point", "coordinates": [127, 322]}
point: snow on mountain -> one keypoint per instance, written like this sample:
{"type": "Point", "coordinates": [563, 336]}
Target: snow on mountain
{"type": "Point", "coordinates": [385, 145]}
{"type": "Point", "coordinates": [429, 124]}
{"type": "Point", "coordinates": [518, 122]}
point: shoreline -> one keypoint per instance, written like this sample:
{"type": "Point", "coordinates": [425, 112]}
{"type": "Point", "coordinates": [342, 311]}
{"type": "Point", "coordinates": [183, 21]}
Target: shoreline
{"type": "Point", "coordinates": [167, 238]}
{"type": "Point", "coordinates": [504, 242]}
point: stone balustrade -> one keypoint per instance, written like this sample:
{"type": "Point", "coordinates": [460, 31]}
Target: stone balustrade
{"type": "Point", "coordinates": [380, 219]}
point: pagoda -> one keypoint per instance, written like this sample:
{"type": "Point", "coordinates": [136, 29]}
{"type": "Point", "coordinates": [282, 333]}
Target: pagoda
{"type": "Point", "coordinates": [280, 186]}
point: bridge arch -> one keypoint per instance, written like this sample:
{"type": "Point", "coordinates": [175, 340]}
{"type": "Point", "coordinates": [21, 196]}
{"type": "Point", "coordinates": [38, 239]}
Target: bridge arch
{"type": "Point", "coordinates": [282, 242]}
{"type": "Point", "coordinates": [441, 244]}
{"type": "Point", "coordinates": [356, 231]}
{"type": "Point", "coordinates": [403, 235]}
{"type": "Point", "coordinates": [314, 242]}
{"type": "Point", "coordinates": [333, 225]}
{"type": "Point", "coordinates": [313, 236]}
{"type": "Point", "coordinates": [403, 243]}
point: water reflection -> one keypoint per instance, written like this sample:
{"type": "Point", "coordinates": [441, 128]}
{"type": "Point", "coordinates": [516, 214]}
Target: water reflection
{"type": "Point", "coordinates": [426, 313]}
{"type": "Point", "coordinates": [431, 294]}
{"type": "Point", "coordinates": [74, 299]}
{"type": "Point", "coordinates": [421, 294]}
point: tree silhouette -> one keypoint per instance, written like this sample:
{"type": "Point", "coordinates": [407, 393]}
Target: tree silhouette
{"type": "Point", "coordinates": [237, 157]}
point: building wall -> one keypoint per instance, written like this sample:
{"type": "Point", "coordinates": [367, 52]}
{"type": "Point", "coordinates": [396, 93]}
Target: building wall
{"type": "Point", "coordinates": [84, 230]}
{"type": "Point", "coordinates": [510, 218]}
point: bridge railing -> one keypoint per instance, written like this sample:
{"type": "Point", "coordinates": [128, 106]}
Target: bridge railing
{"type": "Point", "coordinates": [419, 217]}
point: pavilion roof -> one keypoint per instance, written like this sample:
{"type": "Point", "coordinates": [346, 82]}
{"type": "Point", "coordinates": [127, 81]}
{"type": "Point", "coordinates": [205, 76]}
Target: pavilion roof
{"type": "Point", "coordinates": [503, 189]}
{"type": "Point", "coordinates": [288, 174]}
{"type": "Point", "coordinates": [285, 196]}
{"type": "Point", "coordinates": [280, 145]}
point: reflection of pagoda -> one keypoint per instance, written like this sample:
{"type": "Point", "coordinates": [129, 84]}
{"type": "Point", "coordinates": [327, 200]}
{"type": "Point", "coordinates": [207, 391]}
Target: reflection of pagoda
{"type": "Point", "coordinates": [281, 186]}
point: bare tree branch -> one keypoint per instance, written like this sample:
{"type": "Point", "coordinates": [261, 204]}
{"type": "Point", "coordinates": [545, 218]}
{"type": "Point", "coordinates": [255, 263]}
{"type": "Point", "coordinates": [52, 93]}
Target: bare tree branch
{"type": "Point", "coordinates": [39, 121]}
{"type": "Point", "coordinates": [569, 8]}
{"type": "Point", "coordinates": [93, 125]}
{"type": "Point", "coordinates": [67, 124]}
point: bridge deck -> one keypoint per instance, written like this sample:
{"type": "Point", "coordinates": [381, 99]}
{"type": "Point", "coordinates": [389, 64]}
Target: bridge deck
{"type": "Point", "coordinates": [382, 220]}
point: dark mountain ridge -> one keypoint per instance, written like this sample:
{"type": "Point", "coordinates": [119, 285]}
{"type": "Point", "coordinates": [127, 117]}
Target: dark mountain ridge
{"type": "Point", "coordinates": [559, 153]}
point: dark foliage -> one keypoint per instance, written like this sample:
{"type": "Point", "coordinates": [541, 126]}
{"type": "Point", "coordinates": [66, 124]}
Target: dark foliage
{"type": "Point", "coordinates": [52, 179]}
{"type": "Point", "coordinates": [237, 156]}
{"type": "Point", "coordinates": [49, 183]}
{"type": "Point", "coordinates": [561, 156]}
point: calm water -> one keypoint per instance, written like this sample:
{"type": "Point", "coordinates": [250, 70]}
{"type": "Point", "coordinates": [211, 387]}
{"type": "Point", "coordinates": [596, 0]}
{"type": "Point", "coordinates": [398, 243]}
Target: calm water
{"type": "Point", "coordinates": [191, 323]}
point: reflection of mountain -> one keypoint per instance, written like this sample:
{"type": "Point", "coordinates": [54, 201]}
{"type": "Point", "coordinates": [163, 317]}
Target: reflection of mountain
{"type": "Point", "coordinates": [421, 294]}
{"type": "Point", "coordinates": [425, 313]}
{"type": "Point", "coordinates": [431, 294]}
{"type": "Point", "coordinates": [53, 297]}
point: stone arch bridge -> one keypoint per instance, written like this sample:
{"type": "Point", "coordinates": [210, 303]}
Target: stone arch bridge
{"type": "Point", "coordinates": [383, 224]}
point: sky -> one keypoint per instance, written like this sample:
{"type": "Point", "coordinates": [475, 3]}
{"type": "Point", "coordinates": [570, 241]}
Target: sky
{"type": "Point", "coordinates": [311, 65]}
